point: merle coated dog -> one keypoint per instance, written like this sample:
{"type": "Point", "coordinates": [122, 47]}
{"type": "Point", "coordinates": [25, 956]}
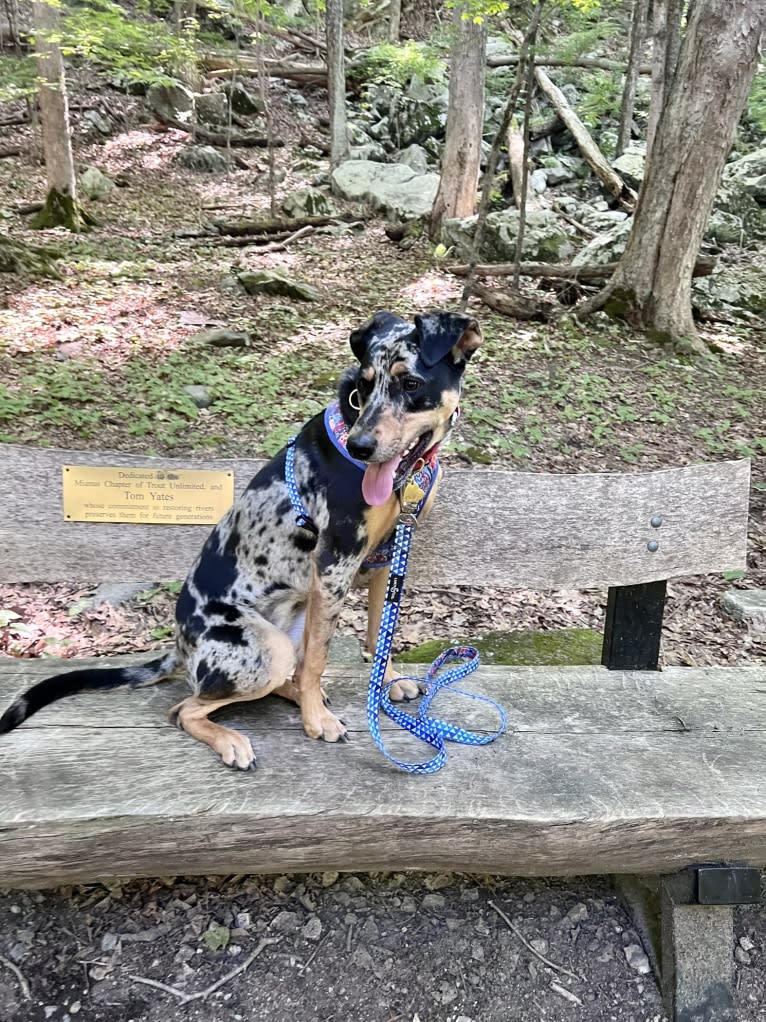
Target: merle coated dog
{"type": "Point", "coordinates": [259, 607]}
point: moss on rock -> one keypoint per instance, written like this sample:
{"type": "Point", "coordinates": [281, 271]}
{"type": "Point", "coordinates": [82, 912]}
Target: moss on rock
{"type": "Point", "coordinates": [566, 646]}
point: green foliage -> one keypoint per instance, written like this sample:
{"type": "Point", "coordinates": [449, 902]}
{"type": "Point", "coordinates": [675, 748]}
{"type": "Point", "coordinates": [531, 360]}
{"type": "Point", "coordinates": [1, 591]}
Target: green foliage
{"type": "Point", "coordinates": [18, 77]}
{"type": "Point", "coordinates": [134, 49]}
{"type": "Point", "coordinates": [599, 98]}
{"type": "Point", "coordinates": [392, 64]}
{"type": "Point", "coordinates": [755, 113]}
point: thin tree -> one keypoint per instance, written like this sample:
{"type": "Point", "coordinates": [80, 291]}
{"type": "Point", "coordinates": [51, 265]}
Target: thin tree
{"type": "Point", "coordinates": [666, 47]}
{"type": "Point", "coordinates": [456, 196]}
{"type": "Point", "coordinates": [651, 287]}
{"type": "Point", "coordinates": [61, 207]}
{"type": "Point", "coordinates": [394, 20]}
{"type": "Point", "coordinates": [336, 83]}
{"type": "Point", "coordinates": [637, 33]}
{"type": "Point", "coordinates": [494, 153]}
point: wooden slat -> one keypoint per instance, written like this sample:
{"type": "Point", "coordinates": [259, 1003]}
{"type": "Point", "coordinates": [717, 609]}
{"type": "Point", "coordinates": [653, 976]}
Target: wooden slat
{"type": "Point", "coordinates": [601, 772]}
{"type": "Point", "coordinates": [514, 529]}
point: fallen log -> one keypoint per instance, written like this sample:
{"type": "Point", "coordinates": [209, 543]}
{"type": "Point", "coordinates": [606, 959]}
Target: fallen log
{"type": "Point", "coordinates": [590, 151]}
{"type": "Point", "coordinates": [217, 64]}
{"type": "Point", "coordinates": [565, 271]}
{"type": "Point", "coordinates": [270, 242]}
{"type": "Point", "coordinates": [599, 63]}
{"type": "Point", "coordinates": [220, 138]}
{"type": "Point", "coordinates": [276, 226]}
{"type": "Point", "coordinates": [516, 305]}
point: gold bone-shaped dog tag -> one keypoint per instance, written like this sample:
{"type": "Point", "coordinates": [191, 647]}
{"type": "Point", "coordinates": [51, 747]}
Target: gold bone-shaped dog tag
{"type": "Point", "coordinates": [413, 493]}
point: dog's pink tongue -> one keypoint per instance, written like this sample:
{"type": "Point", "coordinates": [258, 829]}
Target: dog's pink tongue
{"type": "Point", "coordinates": [378, 481]}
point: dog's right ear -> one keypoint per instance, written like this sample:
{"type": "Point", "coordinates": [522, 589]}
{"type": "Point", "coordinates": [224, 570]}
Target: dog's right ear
{"type": "Point", "coordinates": [377, 325]}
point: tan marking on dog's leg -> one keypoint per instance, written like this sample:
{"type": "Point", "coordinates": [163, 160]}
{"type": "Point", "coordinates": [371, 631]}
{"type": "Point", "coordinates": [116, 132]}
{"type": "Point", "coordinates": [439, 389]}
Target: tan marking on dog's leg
{"type": "Point", "coordinates": [321, 616]}
{"type": "Point", "coordinates": [233, 748]}
{"type": "Point", "coordinates": [191, 715]}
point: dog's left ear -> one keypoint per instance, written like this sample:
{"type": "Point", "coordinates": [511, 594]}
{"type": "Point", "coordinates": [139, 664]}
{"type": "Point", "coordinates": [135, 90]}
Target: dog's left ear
{"type": "Point", "coordinates": [443, 332]}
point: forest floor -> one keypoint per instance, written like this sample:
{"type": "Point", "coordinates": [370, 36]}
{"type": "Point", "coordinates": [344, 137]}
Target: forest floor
{"type": "Point", "coordinates": [99, 360]}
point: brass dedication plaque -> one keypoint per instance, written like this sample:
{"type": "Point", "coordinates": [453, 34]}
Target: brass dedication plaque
{"type": "Point", "coordinates": [147, 496]}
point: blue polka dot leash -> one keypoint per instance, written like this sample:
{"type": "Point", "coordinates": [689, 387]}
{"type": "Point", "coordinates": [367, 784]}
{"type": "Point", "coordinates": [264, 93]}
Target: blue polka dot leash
{"type": "Point", "coordinates": [431, 730]}
{"type": "Point", "coordinates": [428, 729]}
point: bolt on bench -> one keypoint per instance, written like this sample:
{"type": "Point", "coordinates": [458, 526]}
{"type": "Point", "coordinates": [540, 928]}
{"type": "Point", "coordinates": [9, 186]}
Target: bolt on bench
{"type": "Point", "coordinates": [618, 769]}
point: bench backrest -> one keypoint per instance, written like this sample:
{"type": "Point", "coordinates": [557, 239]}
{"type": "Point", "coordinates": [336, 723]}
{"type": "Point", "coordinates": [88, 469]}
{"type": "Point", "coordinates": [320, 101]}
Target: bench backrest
{"type": "Point", "coordinates": [509, 529]}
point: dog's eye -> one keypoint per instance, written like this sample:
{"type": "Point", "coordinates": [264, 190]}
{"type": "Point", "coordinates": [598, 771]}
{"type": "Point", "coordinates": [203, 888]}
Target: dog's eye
{"type": "Point", "coordinates": [411, 384]}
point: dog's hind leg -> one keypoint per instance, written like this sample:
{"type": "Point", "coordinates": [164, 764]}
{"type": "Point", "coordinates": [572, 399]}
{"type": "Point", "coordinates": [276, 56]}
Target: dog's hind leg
{"type": "Point", "coordinates": [225, 672]}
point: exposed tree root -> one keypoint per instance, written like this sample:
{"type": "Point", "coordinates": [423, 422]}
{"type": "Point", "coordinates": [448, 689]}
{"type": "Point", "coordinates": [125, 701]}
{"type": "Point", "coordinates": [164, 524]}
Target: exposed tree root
{"type": "Point", "coordinates": [63, 211]}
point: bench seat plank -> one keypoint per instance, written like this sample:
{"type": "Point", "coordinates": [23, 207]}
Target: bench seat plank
{"type": "Point", "coordinates": [600, 772]}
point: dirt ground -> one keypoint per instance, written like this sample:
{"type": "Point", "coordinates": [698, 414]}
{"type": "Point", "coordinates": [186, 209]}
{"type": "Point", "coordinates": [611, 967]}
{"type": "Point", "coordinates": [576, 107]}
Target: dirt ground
{"type": "Point", "coordinates": [353, 948]}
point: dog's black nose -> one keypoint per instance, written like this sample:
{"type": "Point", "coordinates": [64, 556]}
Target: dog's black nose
{"type": "Point", "coordinates": [363, 447]}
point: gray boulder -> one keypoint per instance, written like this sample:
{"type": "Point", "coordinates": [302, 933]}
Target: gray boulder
{"type": "Point", "coordinates": [630, 166]}
{"type": "Point", "coordinates": [390, 188]}
{"type": "Point", "coordinates": [308, 202]}
{"type": "Point", "coordinates": [220, 337]}
{"type": "Point", "coordinates": [212, 108]}
{"type": "Point", "coordinates": [545, 239]}
{"type": "Point", "coordinates": [95, 185]}
{"type": "Point", "coordinates": [606, 248]}
{"type": "Point", "coordinates": [171, 102]}
{"type": "Point", "coordinates": [751, 166]}
{"type": "Point", "coordinates": [415, 157]}
{"type": "Point", "coordinates": [734, 199]}
{"type": "Point", "coordinates": [202, 159]}
{"type": "Point", "coordinates": [369, 151]}
{"type": "Point", "coordinates": [413, 115]}
{"type": "Point", "coordinates": [242, 101]}
{"type": "Point", "coordinates": [272, 282]}
{"type": "Point", "coordinates": [200, 395]}
{"type": "Point", "coordinates": [538, 180]}
{"type": "Point", "coordinates": [93, 122]}
{"type": "Point", "coordinates": [719, 296]}
{"type": "Point", "coordinates": [356, 135]}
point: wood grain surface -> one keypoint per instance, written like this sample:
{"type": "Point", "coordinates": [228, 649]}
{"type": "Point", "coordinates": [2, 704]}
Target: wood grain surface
{"type": "Point", "coordinates": [600, 771]}
{"type": "Point", "coordinates": [512, 529]}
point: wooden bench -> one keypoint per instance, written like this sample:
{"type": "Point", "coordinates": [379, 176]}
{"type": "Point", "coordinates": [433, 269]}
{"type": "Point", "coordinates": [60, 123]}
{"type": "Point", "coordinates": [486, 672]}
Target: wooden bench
{"type": "Point", "coordinates": [616, 769]}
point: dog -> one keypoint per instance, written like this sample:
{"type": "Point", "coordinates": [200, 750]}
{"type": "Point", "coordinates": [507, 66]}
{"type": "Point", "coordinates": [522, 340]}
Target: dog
{"type": "Point", "coordinates": [257, 612]}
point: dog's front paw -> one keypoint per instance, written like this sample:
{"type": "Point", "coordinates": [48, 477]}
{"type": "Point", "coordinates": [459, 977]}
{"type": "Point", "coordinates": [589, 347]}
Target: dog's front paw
{"type": "Point", "coordinates": [403, 690]}
{"type": "Point", "coordinates": [325, 725]}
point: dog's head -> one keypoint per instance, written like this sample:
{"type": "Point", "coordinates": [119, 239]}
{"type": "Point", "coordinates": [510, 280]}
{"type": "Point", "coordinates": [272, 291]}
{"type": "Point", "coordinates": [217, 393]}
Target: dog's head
{"type": "Point", "coordinates": [401, 399]}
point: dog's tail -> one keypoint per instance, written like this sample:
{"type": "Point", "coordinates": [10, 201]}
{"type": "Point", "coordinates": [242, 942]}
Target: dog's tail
{"type": "Point", "coordinates": [84, 680]}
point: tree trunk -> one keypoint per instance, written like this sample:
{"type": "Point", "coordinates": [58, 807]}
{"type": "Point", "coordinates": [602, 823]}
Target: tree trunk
{"type": "Point", "coordinates": [637, 32]}
{"type": "Point", "coordinates": [459, 180]}
{"type": "Point", "coordinates": [394, 20]}
{"type": "Point", "coordinates": [61, 207]}
{"type": "Point", "coordinates": [336, 83]}
{"type": "Point", "coordinates": [666, 47]}
{"type": "Point", "coordinates": [651, 287]}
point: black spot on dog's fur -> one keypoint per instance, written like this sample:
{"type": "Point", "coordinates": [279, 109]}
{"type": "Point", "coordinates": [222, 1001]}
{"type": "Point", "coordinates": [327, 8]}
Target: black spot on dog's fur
{"type": "Point", "coordinates": [224, 610]}
{"type": "Point", "coordinates": [304, 541]}
{"type": "Point", "coordinates": [213, 682]}
{"type": "Point", "coordinates": [215, 574]}
{"type": "Point", "coordinates": [231, 634]}
{"type": "Point", "coordinates": [261, 560]}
